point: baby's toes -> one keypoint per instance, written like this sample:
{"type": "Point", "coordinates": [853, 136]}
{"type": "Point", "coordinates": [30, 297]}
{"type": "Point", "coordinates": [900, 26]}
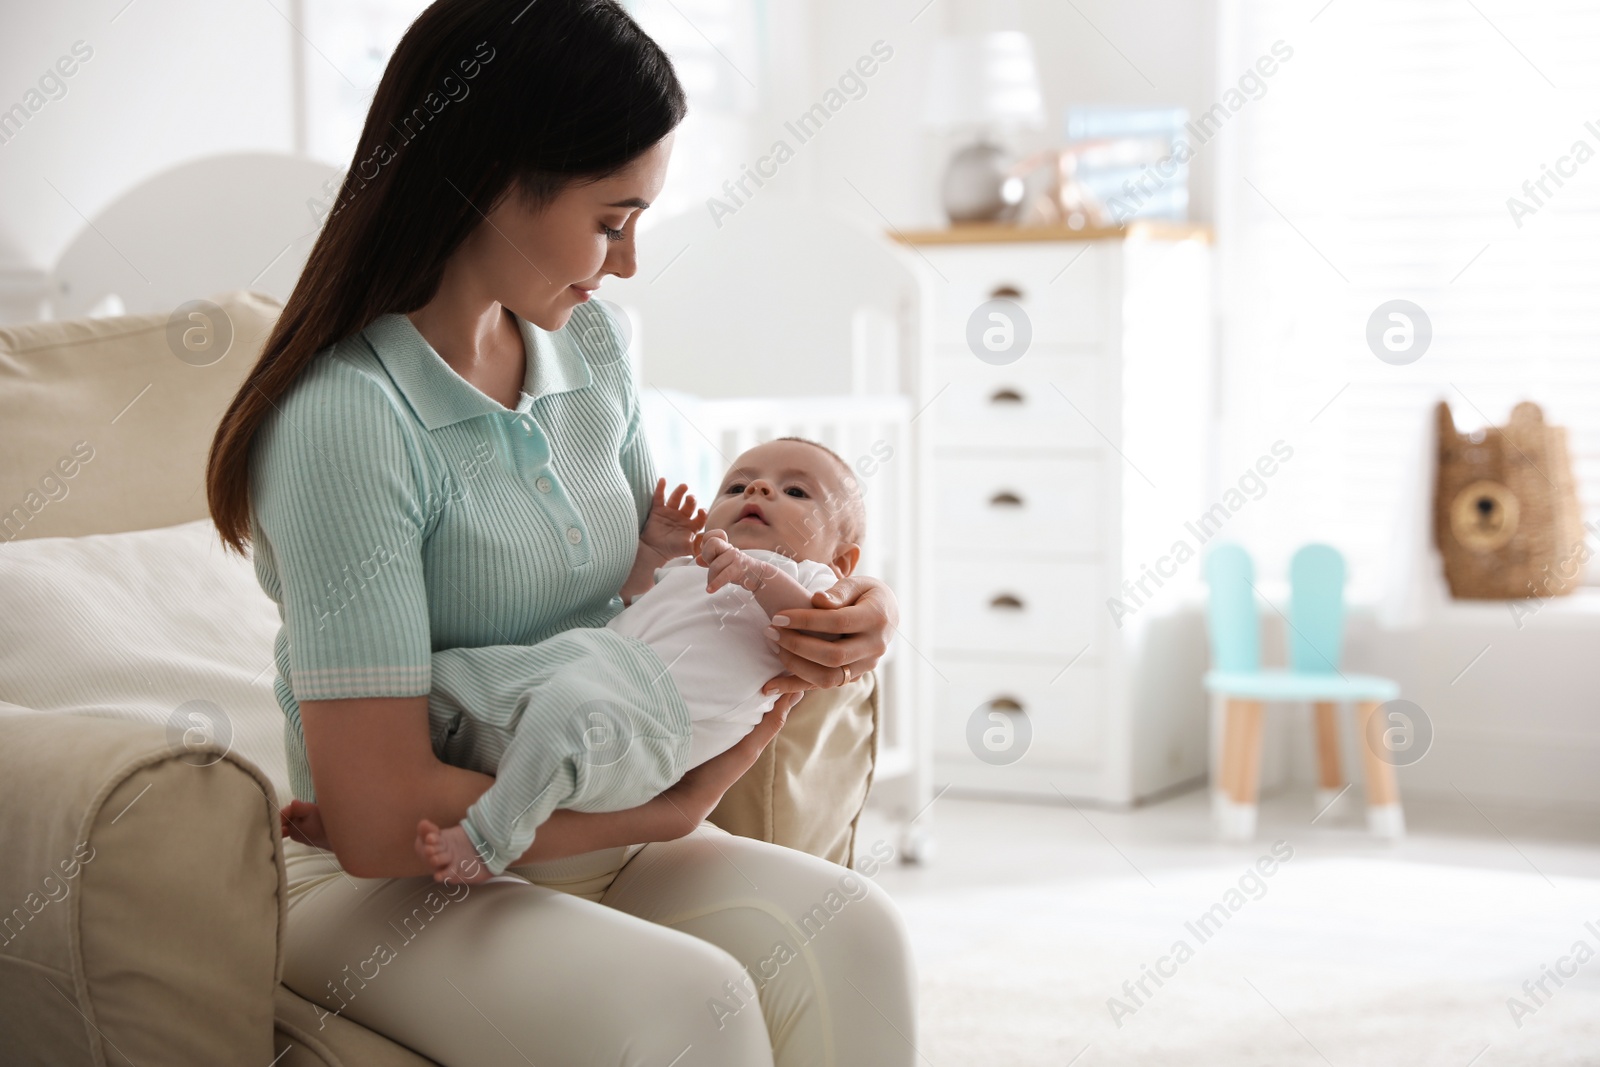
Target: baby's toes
{"type": "Point", "coordinates": [427, 841]}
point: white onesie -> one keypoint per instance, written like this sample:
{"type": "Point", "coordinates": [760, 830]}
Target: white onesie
{"type": "Point", "coordinates": [714, 644]}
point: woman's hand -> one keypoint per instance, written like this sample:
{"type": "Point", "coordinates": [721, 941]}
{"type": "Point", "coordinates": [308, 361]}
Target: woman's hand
{"type": "Point", "coordinates": [861, 608]}
{"type": "Point", "coordinates": [686, 803]}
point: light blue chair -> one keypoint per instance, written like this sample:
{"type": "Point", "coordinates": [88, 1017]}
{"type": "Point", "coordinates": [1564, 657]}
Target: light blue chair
{"type": "Point", "coordinates": [1240, 686]}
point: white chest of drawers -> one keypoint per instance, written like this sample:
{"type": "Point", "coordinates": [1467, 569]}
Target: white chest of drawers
{"type": "Point", "coordinates": [1046, 481]}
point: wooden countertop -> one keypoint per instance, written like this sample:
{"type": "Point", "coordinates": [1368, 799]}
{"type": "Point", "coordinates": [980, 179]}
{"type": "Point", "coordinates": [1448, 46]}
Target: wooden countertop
{"type": "Point", "coordinates": [983, 232]}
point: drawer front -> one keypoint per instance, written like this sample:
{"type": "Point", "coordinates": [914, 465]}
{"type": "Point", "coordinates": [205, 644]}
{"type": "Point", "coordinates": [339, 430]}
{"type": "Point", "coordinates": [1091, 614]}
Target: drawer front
{"type": "Point", "coordinates": [1062, 289]}
{"type": "Point", "coordinates": [1001, 603]}
{"type": "Point", "coordinates": [989, 711]}
{"type": "Point", "coordinates": [1043, 401]}
{"type": "Point", "coordinates": [999, 503]}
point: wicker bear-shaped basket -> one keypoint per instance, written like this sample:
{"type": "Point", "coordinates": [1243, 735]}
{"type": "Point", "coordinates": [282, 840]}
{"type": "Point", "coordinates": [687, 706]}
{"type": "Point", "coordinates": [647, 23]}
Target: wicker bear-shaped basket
{"type": "Point", "coordinates": [1505, 509]}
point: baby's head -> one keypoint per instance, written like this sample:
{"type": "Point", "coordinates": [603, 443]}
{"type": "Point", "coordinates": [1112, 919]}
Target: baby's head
{"type": "Point", "coordinates": [802, 501]}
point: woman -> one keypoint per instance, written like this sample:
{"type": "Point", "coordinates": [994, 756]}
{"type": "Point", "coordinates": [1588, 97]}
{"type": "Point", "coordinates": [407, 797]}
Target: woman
{"type": "Point", "coordinates": [427, 458]}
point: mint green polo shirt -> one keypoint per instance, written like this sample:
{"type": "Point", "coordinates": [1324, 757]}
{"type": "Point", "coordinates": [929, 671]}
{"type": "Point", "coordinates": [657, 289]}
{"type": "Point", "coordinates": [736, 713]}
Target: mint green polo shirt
{"type": "Point", "coordinates": [397, 510]}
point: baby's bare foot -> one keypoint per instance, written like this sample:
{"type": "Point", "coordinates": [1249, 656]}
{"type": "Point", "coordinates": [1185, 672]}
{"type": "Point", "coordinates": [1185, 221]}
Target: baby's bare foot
{"type": "Point", "coordinates": [302, 821]}
{"type": "Point", "coordinates": [450, 853]}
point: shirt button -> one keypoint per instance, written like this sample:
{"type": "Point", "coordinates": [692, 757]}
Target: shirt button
{"type": "Point", "coordinates": [574, 535]}
{"type": "Point", "coordinates": [527, 425]}
{"type": "Point", "coordinates": [543, 484]}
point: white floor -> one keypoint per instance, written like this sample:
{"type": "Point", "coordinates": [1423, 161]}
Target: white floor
{"type": "Point", "coordinates": [1037, 927]}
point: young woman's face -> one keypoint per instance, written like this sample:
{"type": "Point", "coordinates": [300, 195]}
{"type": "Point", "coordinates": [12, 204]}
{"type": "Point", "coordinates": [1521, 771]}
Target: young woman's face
{"type": "Point", "coordinates": [540, 263]}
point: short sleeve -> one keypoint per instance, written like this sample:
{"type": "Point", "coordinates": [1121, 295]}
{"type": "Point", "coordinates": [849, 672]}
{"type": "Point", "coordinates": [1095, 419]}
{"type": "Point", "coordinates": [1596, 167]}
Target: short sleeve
{"type": "Point", "coordinates": [817, 577]}
{"type": "Point", "coordinates": [675, 561]}
{"type": "Point", "coordinates": [338, 500]}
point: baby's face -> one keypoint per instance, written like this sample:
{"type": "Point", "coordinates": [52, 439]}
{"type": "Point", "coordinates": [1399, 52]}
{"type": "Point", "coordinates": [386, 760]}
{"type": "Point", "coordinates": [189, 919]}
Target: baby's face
{"type": "Point", "coordinates": [783, 496]}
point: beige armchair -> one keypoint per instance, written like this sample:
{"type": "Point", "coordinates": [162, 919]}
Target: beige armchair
{"type": "Point", "coordinates": [157, 939]}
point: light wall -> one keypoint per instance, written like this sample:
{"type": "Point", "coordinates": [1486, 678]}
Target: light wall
{"type": "Point", "coordinates": [166, 81]}
{"type": "Point", "coordinates": [1508, 698]}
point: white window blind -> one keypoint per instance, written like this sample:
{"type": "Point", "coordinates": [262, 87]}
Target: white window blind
{"type": "Point", "coordinates": [716, 48]}
{"type": "Point", "coordinates": [344, 46]}
{"type": "Point", "coordinates": [1376, 165]}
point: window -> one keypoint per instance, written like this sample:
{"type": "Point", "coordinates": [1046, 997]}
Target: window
{"type": "Point", "coordinates": [1386, 159]}
{"type": "Point", "coordinates": [715, 45]}
{"type": "Point", "coordinates": [346, 45]}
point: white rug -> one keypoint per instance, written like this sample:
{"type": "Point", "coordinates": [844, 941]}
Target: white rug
{"type": "Point", "coordinates": [1340, 962]}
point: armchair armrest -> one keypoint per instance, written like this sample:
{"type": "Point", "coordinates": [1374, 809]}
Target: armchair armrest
{"type": "Point", "coordinates": [141, 898]}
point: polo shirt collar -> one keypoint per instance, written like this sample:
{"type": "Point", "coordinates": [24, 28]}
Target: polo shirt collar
{"type": "Point", "coordinates": [553, 363]}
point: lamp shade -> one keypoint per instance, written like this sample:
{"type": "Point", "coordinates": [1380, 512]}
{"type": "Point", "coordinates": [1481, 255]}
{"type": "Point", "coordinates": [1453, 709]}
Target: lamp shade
{"type": "Point", "coordinates": [987, 79]}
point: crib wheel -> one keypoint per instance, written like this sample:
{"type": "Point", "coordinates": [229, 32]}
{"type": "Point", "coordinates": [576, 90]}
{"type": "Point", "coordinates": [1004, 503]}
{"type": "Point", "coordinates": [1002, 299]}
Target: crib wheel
{"type": "Point", "coordinates": [916, 845]}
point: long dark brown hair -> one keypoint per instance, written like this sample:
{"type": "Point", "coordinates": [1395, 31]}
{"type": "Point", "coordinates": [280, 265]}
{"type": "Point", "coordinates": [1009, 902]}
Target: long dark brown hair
{"type": "Point", "coordinates": [480, 97]}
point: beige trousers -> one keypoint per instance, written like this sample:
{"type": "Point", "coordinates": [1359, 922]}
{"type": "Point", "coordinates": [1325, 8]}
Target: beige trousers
{"type": "Point", "coordinates": [709, 951]}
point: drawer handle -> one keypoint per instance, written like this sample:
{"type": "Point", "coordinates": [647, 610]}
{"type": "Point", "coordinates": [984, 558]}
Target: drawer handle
{"type": "Point", "coordinates": [1006, 292]}
{"type": "Point", "coordinates": [1005, 499]}
{"type": "Point", "coordinates": [1006, 602]}
{"type": "Point", "coordinates": [1005, 396]}
{"type": "Point", "coordinates": [1009, 705]}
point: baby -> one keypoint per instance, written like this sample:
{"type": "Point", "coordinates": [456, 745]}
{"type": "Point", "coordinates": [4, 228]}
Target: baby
{"type": "Point", "coordinates": [787, 522]}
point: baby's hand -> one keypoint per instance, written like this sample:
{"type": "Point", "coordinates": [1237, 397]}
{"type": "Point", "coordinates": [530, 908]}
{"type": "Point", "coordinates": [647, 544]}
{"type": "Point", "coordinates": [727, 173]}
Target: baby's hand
{"type": "Point", "coordinates": [726, 563]}
{"type": "Point", "coordinates": [701, 545]}
{"type": "Point", "coordinates": [671, 525]}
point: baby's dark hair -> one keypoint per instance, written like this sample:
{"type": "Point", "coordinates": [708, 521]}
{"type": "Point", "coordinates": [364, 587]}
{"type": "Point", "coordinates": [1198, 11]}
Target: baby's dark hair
{"type": "Point", "coordinates": [851, 511]}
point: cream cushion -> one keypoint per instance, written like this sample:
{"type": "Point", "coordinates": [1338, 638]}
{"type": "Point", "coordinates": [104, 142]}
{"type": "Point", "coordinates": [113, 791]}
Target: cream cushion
{"type": "Point", "coordinates": [159, 626]}
{"type": "Point", "coordinates": [116, 390]}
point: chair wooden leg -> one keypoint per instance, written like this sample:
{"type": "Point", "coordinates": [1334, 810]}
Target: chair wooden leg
{"type": "Point", "coordinates": [1384, 816]}
{"type": "Point", "coordinates": [1241, 768]}
{"type": "Point", "coordinates": [1218, 752]}
{"type": "Point", "coordinates": [1247, 716]}
{"type": "Point", "coordinates": [1330, 780]}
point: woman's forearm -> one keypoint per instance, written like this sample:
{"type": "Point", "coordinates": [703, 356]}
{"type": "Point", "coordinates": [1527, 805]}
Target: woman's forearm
{"type": "Point", "coordinates": [567, 832]}
{"type": "Point", "coordinates": [385, 846]}
{"type": "Point", "coordinates": [377, 777]}
{"type": "Point", "coordinates": [391, 853]}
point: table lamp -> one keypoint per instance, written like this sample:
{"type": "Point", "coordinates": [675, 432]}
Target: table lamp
{"type": "Point", "coordinates": [988, 81]}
